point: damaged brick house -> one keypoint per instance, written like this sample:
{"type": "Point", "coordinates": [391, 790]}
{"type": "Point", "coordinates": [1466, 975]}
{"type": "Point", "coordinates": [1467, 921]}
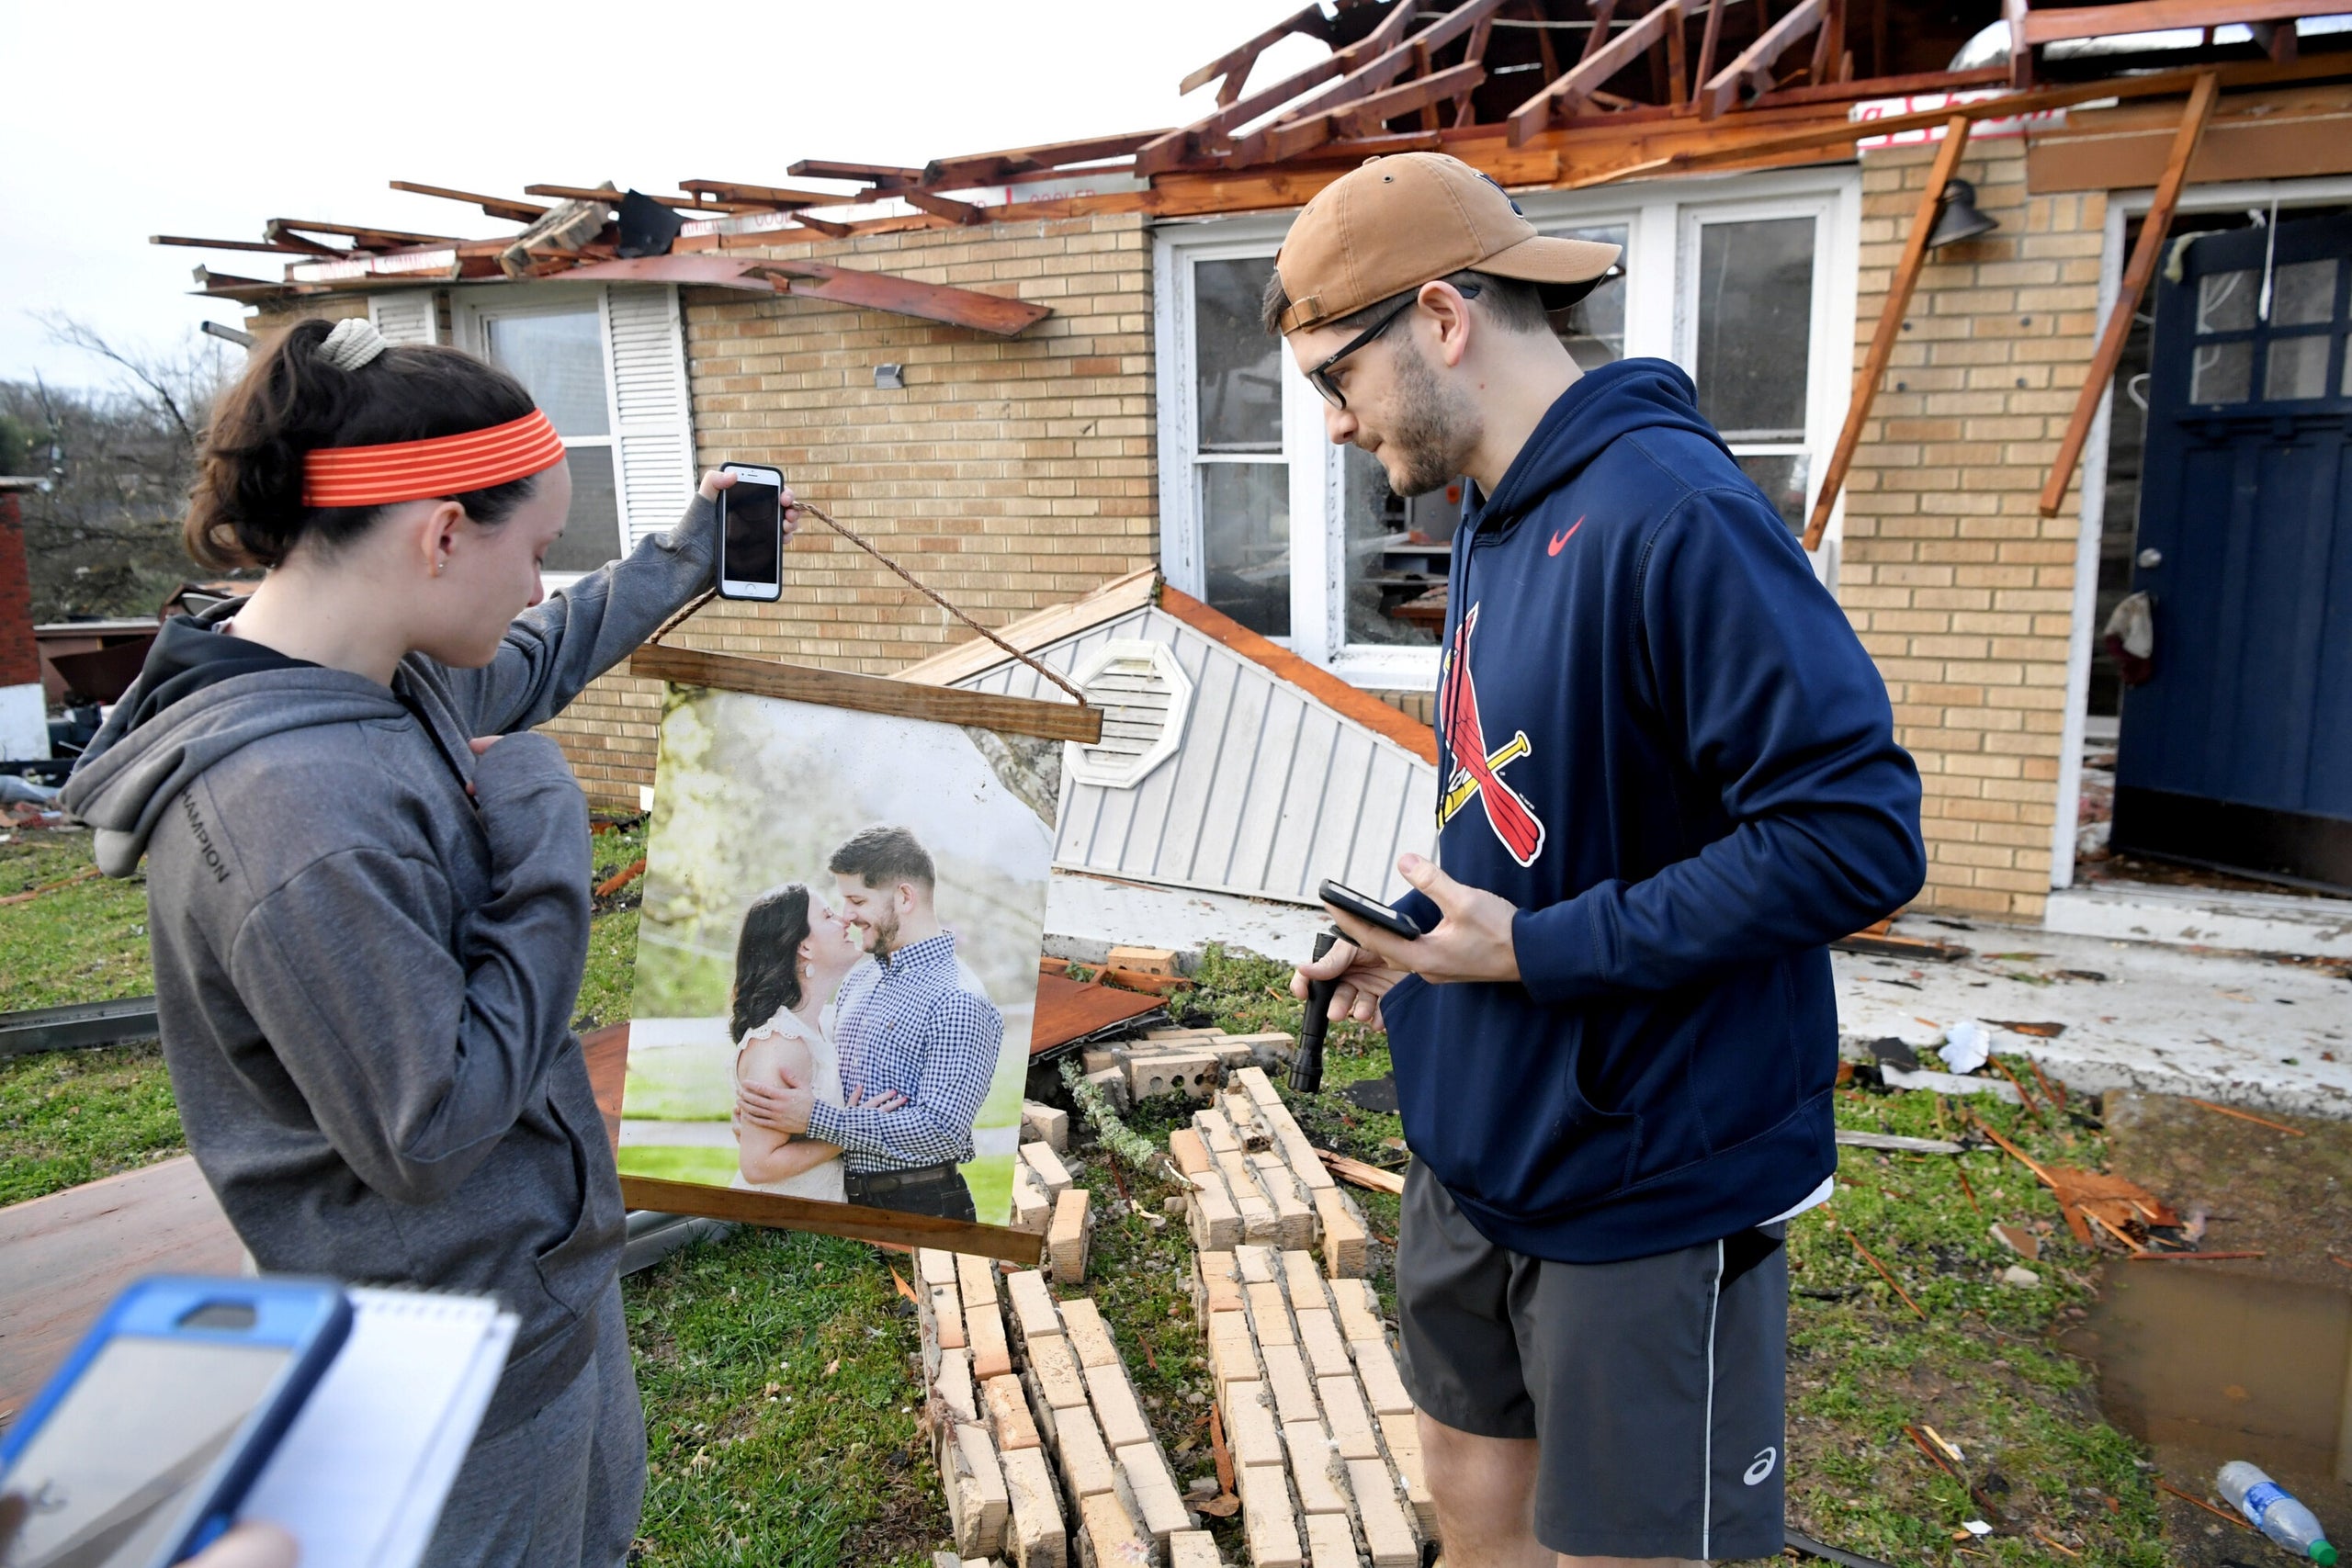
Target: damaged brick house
{"type": "Point", "coordinates": [2015, 311]}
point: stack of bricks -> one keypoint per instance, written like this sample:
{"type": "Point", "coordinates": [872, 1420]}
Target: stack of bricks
{"type": "Point", "coordinates": [1189, 1062]}
{"type": "Point", "coordinates": [1043, 1447]}
{"type": "Point", "coordinates": [1323, 1434]}
{"type": "Point", "coordinates": [1257, 1180]}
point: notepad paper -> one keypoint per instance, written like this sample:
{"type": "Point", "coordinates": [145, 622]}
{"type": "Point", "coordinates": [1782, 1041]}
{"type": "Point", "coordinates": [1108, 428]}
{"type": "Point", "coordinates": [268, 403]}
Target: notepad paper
{"type": "Point", "coordinates": [360, 1477]}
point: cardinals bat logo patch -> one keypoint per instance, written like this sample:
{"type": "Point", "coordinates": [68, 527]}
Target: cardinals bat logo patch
{"type": "Point", "coordinates": [1477, 772]}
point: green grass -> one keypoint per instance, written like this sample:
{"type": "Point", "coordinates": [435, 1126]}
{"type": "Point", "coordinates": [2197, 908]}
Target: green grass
{"type": "Point", "coordinates": [68, 1117]}
{"type": "Point", "coordinates": [782, 1384]}
{"type": "Point", "coordinates": [83, 942]}
{"type": "Point", "coordinates": [714, 1167]}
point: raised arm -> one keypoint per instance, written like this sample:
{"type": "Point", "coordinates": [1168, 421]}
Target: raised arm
{"type": "Point", "coordinates": [961, 1041]}
{"type": "Point", "coordinates": [415, 1060]}
{"type": "Point", "coordinates": [555, 648]}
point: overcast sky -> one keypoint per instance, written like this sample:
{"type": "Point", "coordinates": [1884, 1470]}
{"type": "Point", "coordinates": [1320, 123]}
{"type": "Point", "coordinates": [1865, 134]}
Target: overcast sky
{"type": "Point", "coordinates": [126, 121]}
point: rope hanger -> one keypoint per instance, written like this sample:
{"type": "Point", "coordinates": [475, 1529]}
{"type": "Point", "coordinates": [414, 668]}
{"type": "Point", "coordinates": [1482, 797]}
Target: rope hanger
{"type": "Point", "coordinates": [707, 594]}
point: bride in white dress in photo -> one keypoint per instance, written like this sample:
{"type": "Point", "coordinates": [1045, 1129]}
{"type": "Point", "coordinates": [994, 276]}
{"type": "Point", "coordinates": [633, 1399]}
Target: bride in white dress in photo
{"type": "Point", "coordinates": [790, 960]}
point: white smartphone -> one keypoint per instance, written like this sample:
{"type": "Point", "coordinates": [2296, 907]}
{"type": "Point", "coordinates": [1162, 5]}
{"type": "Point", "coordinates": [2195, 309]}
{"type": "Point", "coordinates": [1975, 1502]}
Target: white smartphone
{"type": "Point", "coordinates": [750, 533]}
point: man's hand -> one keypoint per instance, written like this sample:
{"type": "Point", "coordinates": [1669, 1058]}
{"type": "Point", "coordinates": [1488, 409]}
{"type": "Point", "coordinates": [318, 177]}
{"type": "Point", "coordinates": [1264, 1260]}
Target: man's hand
{"type": "Point", "coordinates": [1362, 981]}
{"type": "Point", "coordinates": [779, 1109]}
{"type": "Point", "coordinates": [1472, 939]}
{"type": "Point", "coordinates": [889, 1100]}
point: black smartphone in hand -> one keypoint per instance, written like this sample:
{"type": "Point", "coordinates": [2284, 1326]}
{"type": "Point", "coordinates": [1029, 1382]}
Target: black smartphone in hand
{"type": "Point", "coordinates": [1371, 911]}
{"type": "Point", "coordinates": [750, 533]}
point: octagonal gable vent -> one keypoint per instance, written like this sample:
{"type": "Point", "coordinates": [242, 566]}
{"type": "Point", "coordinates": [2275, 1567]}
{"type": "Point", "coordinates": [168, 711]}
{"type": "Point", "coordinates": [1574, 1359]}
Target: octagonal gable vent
{"type": "Point", "coordinates": [1144, 696]}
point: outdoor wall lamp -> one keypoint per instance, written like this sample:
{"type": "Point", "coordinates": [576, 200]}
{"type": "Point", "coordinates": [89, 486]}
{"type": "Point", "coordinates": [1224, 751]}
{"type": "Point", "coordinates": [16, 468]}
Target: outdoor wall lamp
{"type": "Point", "coordinates": [1957, 218]}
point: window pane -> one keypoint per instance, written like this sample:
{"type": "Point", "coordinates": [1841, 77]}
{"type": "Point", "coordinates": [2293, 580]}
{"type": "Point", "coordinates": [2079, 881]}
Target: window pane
{"type": "Point", "coordinates": [2226, 301]}
{"type": "Point", "coordinates": [2304, 294]}
{"type": "Point", "coordinates": [560, 359]}
{"type": "Point", "coordinates": [591, 534]}
{"type": "Point", "coordinates": [1245, 533]}
{"type": "Point", "coordinates": [1755, 322]}
{"type": "Point", "coordinates": [1396, 555]}
{"type": "Point", "coordinates": [2222, 372]}
{"type": "Point", "coordinates": [1594, 330]}
{"type": "Point", "coordinates": [2298, 368]}
{"type": "Point", "coordinates": [1239, 364]}
{"type": "Point", "coordinates": [1782, 478]}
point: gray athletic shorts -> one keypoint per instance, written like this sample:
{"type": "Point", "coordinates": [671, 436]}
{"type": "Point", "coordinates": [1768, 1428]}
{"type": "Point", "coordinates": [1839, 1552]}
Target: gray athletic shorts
{"type": "Point", "coordinates": [1654, 1387]}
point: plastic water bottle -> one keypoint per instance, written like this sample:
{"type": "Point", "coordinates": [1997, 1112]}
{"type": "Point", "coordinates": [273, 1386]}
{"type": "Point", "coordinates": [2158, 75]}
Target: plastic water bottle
{"type": "Point", "coordinates": [2274, 1511]}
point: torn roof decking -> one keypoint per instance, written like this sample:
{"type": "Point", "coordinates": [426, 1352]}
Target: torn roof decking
{"type": "Point", "coordinates": [1535, 92]}
{"type": "Point", "coordinates": [1283, 774]}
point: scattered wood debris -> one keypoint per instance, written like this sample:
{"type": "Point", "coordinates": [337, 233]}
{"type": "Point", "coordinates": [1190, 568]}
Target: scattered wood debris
{"type": "Point", "coordinates": [1370, 1177]}
{"type": "Point", "coordinates": [2223, 1109]}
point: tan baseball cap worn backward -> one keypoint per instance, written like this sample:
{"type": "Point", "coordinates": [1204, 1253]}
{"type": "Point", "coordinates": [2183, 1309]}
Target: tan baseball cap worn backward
{"type": "Point", "coordinates": [1398, 222]}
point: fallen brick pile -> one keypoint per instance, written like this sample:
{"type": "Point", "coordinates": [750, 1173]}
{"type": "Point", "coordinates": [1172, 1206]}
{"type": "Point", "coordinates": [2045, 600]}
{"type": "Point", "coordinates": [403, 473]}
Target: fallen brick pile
{"type": "Point", "coordinates": [1257, 1180]}
{"type": "Point", "coordinates": [1178, 1061]}
{"type": "Point", "coordinates": [1324, 1440]}
{"type": "Point", "coordinates": [1042, 1447]}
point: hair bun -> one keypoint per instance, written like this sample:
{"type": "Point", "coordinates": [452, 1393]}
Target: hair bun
{"type": "Point", "coordinates": [353, 342]}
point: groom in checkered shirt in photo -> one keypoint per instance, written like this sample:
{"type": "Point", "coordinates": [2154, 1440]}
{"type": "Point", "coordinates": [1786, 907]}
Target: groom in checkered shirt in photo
{"type": "Point", "coordinates": [918, 1041]}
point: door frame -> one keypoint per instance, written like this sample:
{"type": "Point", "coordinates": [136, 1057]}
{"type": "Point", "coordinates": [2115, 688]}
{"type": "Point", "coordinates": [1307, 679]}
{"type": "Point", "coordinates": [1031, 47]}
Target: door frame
{"type": "Point", "coordinates": [2121, 207]}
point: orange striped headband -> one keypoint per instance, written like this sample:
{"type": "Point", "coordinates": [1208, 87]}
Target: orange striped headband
{"type": "Point", "coordinates": [424, 471]}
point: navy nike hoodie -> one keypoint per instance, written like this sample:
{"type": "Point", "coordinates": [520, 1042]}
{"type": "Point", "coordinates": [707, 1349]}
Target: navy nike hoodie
{"type": "Point", "coordinates": [1661, 740]}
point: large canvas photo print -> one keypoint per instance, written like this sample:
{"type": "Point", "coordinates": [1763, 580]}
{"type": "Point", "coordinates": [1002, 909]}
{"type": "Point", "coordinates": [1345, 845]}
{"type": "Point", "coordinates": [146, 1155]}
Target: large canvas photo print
{"type": "Point", "coordinates": [837, 954]}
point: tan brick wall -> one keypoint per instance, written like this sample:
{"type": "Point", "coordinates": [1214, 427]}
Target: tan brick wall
{"type": "Point", "coordinates": [1962, 592]}
{"type": "Point", "coordinates": [1010, 474]}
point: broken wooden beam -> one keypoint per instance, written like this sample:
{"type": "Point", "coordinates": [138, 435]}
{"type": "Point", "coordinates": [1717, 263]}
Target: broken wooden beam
{"type": "Point", "coordinates": [274, 247]}
{"type": "Point", "coordinates": [493, 206]}
{"type": "Point", "coordinates": [1561, 98]}
{"type": "Point", "coordinates": [613, 198]}
{"type": "Point", "coordinates": [991, 168]}
{"type": "Point", "coordinates": [776, 197]}
{"type": "Point", "coordinates": [2113, 20]}
{"type": "Point", "coordinates": [1365, 59]}
{"type": "Point", "coordinates": [882, 176]}
{"type": "Point", "coordinates": [991, 313]}
{"type": "Point", "coordinates": [955, 211]}
{"type": "Point", "coordinates": [371, 238]}
{"type": "Point", "coordinates": [1756, 62]}
{"type": "Point", "coordinates": [1890, 326]}
{"type": "Point", "coordinates": [2146, 254]}
{"type": "Point", "coordinates": [1231, 69]}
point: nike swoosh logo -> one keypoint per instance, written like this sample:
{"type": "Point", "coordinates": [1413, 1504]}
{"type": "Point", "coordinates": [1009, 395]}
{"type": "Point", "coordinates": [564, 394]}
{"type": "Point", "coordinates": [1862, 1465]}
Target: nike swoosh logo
{"type": "Point", "coordinates": [1558, 540]}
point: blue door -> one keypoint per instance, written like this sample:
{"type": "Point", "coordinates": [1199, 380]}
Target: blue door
{"type": "Point", "coordinates": [2237, 751]}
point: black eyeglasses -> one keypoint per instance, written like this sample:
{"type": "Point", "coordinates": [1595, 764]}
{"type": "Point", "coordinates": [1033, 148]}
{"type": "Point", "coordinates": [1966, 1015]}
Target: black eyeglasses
{"type": "Point", "coordinates": [1320, 377]}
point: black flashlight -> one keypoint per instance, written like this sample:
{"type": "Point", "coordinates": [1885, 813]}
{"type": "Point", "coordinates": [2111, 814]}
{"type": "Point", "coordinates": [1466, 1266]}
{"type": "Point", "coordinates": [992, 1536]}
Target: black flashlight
{"type": "Point", "coordinates": [1307, 1065]}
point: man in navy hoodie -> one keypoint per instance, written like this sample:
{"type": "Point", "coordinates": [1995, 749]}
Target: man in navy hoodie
{"type": "Point", "coordinates": [1668, 778]}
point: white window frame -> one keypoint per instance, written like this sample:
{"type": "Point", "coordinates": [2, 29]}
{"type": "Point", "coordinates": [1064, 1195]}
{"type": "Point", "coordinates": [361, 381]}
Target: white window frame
{"type": "Point", "coordinates": [470, 320]}
{"type": "Point", "coordinates": [1660, 219]}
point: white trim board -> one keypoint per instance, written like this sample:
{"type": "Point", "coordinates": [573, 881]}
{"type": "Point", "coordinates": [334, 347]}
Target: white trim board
{"type": "Point", "coordinates": [2196, 916]}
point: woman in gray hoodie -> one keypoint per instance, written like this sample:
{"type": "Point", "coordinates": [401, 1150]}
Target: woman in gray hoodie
{"type": "Point", "coordinates": [369, 900]}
